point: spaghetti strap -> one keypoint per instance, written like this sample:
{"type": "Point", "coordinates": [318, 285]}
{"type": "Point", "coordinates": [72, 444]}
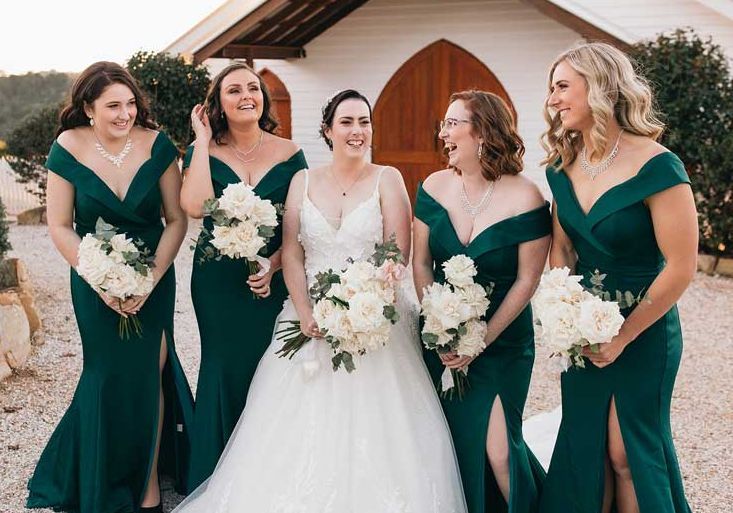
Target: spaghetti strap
{"type": "Point", "coordinates": [379, 178]}
{"type": "Point", "coordinates": [305, 186]}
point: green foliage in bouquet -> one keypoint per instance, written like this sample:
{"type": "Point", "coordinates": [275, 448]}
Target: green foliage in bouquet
{"type": "Point", "coordinates": [28, 147]}
{"type": "Point", "coordinates": [694, 90]}
{"type": "Point", "coordinates": [173, 87]}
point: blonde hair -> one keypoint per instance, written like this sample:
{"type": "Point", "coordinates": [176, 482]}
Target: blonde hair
{"type": "Point", "coordinates": [615, 90]}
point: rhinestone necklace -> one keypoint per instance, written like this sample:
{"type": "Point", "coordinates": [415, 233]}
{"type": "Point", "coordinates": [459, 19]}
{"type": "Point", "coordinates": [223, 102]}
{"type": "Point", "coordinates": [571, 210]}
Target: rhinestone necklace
{"type": "Point", "coordinates": [118, 159]}
{"type": "Point", "coordinates": [475, 210]}
{"type": "Point", "coordinates": [242, 155]}
{"type": "Point", "coordinates": [593, 170]}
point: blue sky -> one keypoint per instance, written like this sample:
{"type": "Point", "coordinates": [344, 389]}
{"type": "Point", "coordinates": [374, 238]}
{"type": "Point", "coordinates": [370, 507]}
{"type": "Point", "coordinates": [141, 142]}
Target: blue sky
{"type": "Point", "coordinates": [41, 35]}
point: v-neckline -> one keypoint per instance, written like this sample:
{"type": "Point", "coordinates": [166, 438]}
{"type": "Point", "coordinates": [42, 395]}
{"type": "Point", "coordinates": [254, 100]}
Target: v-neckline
{"type": "Point", "coordinates": [479, 234]}
{"type": "Point", "coordinates": [264, 177]}
{"type": "Point", "coordinates": [573, 194]}
{"type": "Point", "coordinates": [323, 217]}
{"type": "Point", "coordinates": [105, 184]}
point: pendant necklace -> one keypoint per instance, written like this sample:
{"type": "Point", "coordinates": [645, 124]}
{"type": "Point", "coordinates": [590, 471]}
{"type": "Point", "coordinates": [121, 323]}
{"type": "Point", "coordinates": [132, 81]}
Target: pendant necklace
{"type": "Point", "coordinates": [242, 155]}
{"type": "Point", "coordinates": [338, 184]}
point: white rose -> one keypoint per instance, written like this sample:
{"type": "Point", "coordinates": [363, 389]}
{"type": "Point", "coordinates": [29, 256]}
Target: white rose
{"type": "Point", "coordinates": [324, 312]}
{"type": "Point", "coordinates": [144, 284]}
{"type": "Point", "coordinates": [94, 264]}
{"type": "Point", "coordinates": [359, 274]}
{"type": "Point", "coordinates": [448, 308]}
{"type": "Point", "coordinates": [238, 200]}
{"type": "Point", "coordinates": [560, 326]}
{"type": "Point", "coordinates": [263, 213]}
{"type": "Point", "coordinates": [472, 343]}
{"type": "Point", "coordinates": [459, 270]}
{"type": "Point", "coordinates": [366, 312]}
{"type": "Point", "coordinates": [474, 296]}
{"type": "Point", "coordinates": [240, 241]}
{"type": "Point", "coordinates": [599, 320]}
{"type": "Point", "coordinates": [121, 244]}
{"type": "Point", "coordinates": [121, 282]}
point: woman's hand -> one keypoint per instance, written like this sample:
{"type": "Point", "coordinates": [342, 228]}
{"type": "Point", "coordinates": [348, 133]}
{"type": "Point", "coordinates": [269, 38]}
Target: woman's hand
{"type": "Point", "coordinates": [453, 361]}
{"type": "Point", "coordinates": [113, 303]}
{"type": "Point", "coordinates": [133, 304]}
{"type": "Point", "coordinates": [309, 327]}
{"type": "Point", "coordinates": [200, 123]}
{"type": "Point", "coordinates": [606, 353]}
{"type": "Point", "coordinates": [260, 283]}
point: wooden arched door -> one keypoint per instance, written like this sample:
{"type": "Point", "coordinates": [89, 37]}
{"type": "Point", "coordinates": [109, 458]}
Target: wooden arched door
{"type": "Point", "coordinates": [280, 102]}
{"type": "Point", "coordinates": [413, 102]}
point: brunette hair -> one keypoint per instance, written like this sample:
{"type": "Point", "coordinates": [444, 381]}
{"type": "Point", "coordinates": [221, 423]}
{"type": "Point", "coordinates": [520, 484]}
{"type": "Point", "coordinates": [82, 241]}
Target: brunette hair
{"type": "Point", "coordinates": [329, 110]}
{"type": "Point", "coordinates": [90, 85]}
{"type": "Point", "coordinates": [492, 120]}
{"type": "Point", "coordinates": [217, 120]}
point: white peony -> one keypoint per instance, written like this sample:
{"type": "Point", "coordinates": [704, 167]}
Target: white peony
{"type": "Point", "coordinates": [121, 244]}
{"type": "Point", "coordinates": [121, 281]}
{"type": "Point", "coordinates": [473, 342]}
{"type": "Point", "coordinates": [459, 270]}
{"type": "Point", "coordinates": [359, 274]}
{"type": "Point", "coordinates": [445, 305]}
{"type": "Point", "coordinates": [560, 326]}
{"type": "Point", "coordinates": [240, 241]}
{"type": "Point", "coordinates": [599, 321]}
{"type": "Point", "coordinates": [238, 200]}
{"type": "Point", "coordinates": [366, 312]}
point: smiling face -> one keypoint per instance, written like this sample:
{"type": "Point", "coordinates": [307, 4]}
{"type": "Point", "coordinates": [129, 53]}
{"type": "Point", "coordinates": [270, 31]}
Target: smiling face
{"type": "Point", "coordinates": [458, 137]}
{"type": "Point", "coordinates": [351, 129]}
{"type": "Point", "coordinates": [569, 98]}
{"type": "Point", "coordinates": [241, 97]}
{"type": "Point", "coordinates": [113, 112]}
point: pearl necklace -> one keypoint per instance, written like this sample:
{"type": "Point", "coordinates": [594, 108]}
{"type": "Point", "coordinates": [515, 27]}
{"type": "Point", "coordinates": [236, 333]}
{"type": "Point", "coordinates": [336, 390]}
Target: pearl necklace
{"type": "Point", "coordinates": [475, 210]}
{"type": "Point", "coordinates": [118, 159]}
{"type": "Point", "coordinates": [593, 170]}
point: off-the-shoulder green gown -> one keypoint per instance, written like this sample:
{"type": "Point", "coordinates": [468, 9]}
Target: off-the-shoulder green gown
{"type": "Point", "coordinates": [100, 456]}
{"type": "Point", "coordinates": [235, 328]}
{"type": "Point", "coordinates": [503, 370]}
{"type": "Point", "coordinates": [617, 237]}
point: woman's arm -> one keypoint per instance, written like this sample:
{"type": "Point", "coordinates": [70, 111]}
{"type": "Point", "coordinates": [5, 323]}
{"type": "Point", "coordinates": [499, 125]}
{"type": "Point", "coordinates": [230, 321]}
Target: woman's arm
{"type": "Point", "coordinates": [176, 222]}
{"type": "Point", "coordinates": [60, 217]}
{"type": "Point", "coordinates": [396, 210]}
{"type": "Point", "coordinates": [675, 227]}
{"type": "Point", "coordinates": [422, 259]}
{"type": "Point", "coordinates": [197, 186]}
{"type": "Point", "coordinates": [562, 252]}
{"type": "Point", "coordinates": [293, 257]}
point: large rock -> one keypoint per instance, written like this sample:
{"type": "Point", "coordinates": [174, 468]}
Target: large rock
{"type": "Point", "coordinates": [15, 333]}
{"type": "Point", "coordinates": [14, 276]}
{"type": "Point", "coordinates": [32, 216]}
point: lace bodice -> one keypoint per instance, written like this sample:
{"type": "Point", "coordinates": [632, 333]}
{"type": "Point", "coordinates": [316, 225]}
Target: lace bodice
{"type": "Point", "coordinates": [327, 247]}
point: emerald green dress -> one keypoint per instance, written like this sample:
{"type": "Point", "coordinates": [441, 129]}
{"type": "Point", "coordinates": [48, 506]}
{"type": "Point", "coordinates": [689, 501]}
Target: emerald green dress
{"type": "Point", "coordinates": [617, 237]}
{"type": "Point", "coordinates": [503, 370]}
{"type": "Point", "coordinates": [100, 456]}
{"type": "Point", "coordinates": [235, 328]}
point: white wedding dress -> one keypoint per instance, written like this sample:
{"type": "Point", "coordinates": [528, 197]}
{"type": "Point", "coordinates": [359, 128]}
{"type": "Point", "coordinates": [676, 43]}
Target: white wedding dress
{"type": "Point", "coordinates": [312, 440]}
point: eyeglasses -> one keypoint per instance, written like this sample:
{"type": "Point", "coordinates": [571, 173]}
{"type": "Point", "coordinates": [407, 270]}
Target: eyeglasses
{"type": "Point", "coordinates": [451, 123]}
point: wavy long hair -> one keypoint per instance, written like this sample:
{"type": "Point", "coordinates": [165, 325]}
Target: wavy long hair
{"type": "Point", "coordinates": [90, 85]}
{"type": "Point", "coordinates": [615, 91]}
{"type": "Point", "coordinates": [492, 120]}
{"type": "Point", "coordinates": [217, 120]}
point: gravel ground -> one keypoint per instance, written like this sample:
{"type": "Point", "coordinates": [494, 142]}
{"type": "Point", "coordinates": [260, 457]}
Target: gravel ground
{"type": "Point", "coordinates": [33, 401]}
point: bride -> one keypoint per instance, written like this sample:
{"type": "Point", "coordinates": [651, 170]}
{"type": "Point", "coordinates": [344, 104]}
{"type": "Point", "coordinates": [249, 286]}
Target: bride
{"type": "Point", "coordinates": [312, 440]}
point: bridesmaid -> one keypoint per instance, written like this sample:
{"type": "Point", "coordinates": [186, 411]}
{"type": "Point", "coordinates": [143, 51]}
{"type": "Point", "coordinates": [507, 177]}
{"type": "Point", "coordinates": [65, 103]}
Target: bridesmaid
{"type": "Point", "coordinates": [235, 142]}
{"type": "Point", "coordinates": [623, 205]}
{"type": "Point", "coordinates": [132, 403]}
{"type": "Point", "coordinates": [481, 207]}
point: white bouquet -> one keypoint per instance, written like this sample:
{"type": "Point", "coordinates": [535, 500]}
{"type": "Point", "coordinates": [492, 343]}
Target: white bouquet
{"type": "Point", "coordinates": [243, 224]}
{"type": "Point", "coordinates": [355, 308]}
{"type": "Point", "coordinates": [116, 265]}
{"type": "Point", "coordinates": [571, 317]}
{"type": "Point", "coordinates": [452, 312]}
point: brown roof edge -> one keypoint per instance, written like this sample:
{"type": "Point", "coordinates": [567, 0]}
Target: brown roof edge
{"type": "Point", "coordinates": [576, 23]}
{"type": "Point", "coordinates": [243, 24]}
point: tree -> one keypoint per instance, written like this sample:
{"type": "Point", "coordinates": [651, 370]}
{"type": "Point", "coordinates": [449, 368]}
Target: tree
{"type": "Point", "coordinates": [173, 87]}
{"type": "Point", "coordinates": [694, 91]}
{"type": "Point", "coordinates": [4, 242]}
{"type": "Point", "coordinates": [28, 147]}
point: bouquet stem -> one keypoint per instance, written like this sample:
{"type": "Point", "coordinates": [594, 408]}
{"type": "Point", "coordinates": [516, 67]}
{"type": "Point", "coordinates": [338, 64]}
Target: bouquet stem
{"type": "Point", "coordinates": [454, 382]}
{"type": "Point", "coordinates": [293, 339]}
{"type": "Point", "coordinates": [128, 325]}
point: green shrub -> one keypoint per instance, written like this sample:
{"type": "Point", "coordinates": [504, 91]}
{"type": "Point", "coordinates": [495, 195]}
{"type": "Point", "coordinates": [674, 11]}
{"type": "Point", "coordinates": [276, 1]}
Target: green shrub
{"type": "Point", "coordinates": [4, 242]}
{"type": "Point", "coordinates": [173, 87]}
{"type": "Point", "coordinates": [28, 147]}
{"type": "Point", "coordinates": [694, 90]}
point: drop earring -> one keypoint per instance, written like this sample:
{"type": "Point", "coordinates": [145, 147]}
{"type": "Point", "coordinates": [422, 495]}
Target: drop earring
{"type": "Point", "coordinates": [480, 149]}
{"type": "Point", "coordinates": [91, 121]}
